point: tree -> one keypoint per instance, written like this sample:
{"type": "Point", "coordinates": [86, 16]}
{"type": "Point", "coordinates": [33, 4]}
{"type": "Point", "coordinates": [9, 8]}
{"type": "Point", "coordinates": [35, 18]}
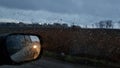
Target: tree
{"type": "Point", "coordinates": [109, 24]}
{"type": "Point", "coordinates": [119, 24]}
{"type": "Point", "coordinates": [101, 24]}
{"type": "Point", "coordinates": [105, 24]}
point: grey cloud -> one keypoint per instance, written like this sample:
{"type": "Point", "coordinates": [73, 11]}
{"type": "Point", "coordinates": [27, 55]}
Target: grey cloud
{"type": "Point", "coordinates": [106, 8]}
{"type": "Point", "coordinates": [103, 8]}
{"type": "Point", "coordinates": [49, 5]}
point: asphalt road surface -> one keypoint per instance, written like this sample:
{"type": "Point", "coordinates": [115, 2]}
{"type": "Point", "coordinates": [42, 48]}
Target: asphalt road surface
{"type": "Point", "coordinates": [48, 63]}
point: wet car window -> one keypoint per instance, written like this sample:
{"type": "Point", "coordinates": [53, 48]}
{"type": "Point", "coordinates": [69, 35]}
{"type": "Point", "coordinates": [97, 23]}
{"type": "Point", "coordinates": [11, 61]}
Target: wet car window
{"type": "Point", "coordinates": [76, 33]}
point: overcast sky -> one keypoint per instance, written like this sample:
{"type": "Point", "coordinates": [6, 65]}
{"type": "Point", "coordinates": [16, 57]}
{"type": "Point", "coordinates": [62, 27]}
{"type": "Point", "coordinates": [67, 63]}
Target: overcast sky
{"type": "Point", "coordinates": [81, 11]}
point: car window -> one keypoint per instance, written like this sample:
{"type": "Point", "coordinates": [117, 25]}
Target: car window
{"type": "Point", "coordinates": [76, 33]}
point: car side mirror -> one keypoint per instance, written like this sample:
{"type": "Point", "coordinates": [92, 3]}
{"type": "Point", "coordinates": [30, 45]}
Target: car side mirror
{"type": "Point", "coordinates": [22, 48]}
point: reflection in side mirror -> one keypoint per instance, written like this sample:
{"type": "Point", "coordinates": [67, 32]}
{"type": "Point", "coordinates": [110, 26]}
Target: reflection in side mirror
{"type": "Point", "coordinates": [23, 47]}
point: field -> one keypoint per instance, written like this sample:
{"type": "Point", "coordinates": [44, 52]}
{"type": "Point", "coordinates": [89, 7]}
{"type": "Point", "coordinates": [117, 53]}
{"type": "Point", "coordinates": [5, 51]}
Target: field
{"type": "Point", "coordinates": [93, 44]}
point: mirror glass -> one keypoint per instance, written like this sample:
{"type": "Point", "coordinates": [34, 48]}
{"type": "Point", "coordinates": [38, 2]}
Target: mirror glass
{"type": "Point", "coordinates": [23, 47]}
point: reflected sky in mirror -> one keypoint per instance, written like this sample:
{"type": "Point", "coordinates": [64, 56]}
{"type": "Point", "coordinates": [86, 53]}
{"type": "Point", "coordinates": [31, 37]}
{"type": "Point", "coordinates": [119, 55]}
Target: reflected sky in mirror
{"type": "Point", "coordinates": [34, 38]}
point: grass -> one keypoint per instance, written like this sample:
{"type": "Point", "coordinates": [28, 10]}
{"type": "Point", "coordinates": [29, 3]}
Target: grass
{"type": "Point", "coordinates": [81, 60]}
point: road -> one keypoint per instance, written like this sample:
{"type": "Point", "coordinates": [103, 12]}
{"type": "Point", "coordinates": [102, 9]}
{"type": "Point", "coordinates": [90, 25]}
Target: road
{"type": "Point", "coordinates": [48, 63]}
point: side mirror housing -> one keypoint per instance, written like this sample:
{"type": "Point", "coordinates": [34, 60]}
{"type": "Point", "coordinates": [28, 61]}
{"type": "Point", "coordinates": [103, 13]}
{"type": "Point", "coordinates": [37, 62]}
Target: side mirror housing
{"type": "Point", "coordinates": [18, 48]}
